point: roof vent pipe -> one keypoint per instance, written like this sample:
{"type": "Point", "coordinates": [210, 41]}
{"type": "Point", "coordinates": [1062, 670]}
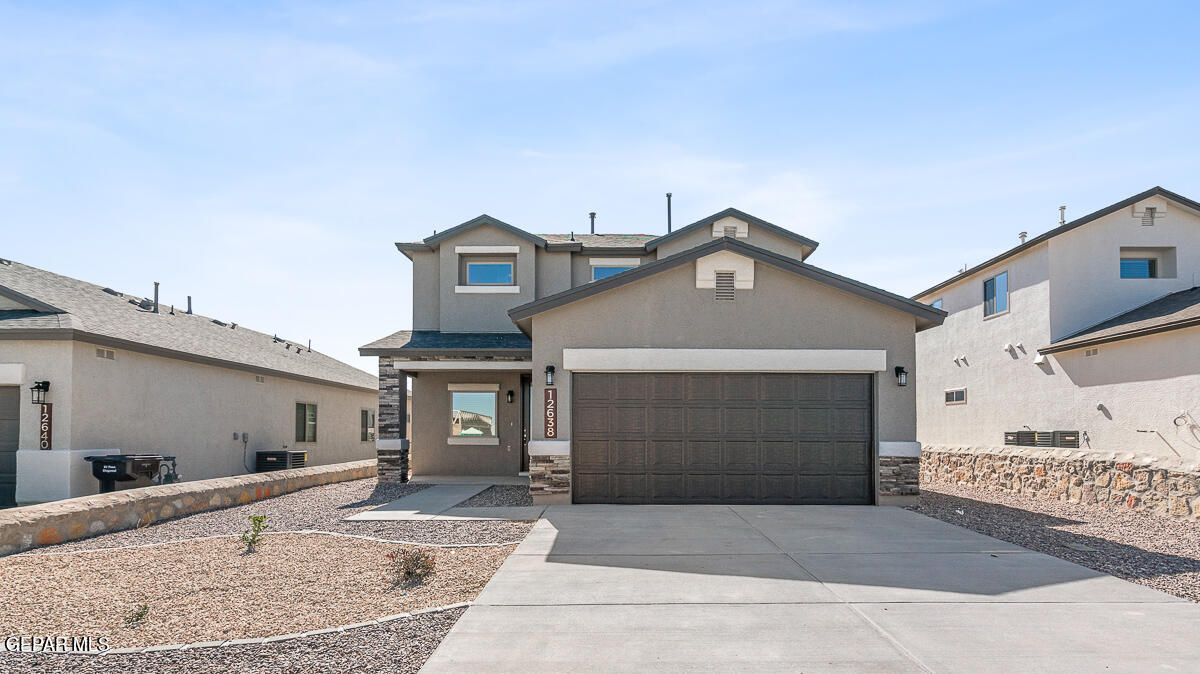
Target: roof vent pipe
{"type": "Point", "coordinates": [189, 304]}
{"type": "Point", "coordinates": [1022, 236]}
{"type": "Point", "coordinates": [592, 215]}
{"type": "Point", "coordinates": [668, 212]}
{"type": "Point", "coordinates": [156, 297]}
{"type": "Point", "coordinates": [310, 346]}
{"type": "Point", "coordinates": [1062, 215]}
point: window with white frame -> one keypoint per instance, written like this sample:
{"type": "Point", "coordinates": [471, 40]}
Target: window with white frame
{"type": "Point", "coordinates": [488, 272]}
{"type": "Point", "coordinates": [956, 396]}
{"type": "Point", "coordinates": [995, 295]}
{"type": "Point", "coordinates": [473, 410]}
{"type": "Point", "coordinates": [599, 272]}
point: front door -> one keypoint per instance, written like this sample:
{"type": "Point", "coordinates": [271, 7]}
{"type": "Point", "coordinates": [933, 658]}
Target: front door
{"type": "Point", "coordinates": [526, 403]}
{"type": "Point", "coordinates": [10, 423]}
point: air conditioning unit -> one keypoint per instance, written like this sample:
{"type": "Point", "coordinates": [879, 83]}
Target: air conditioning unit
{"type": "Point", "coordinates": [1066, 439]}
{"type": "Point", "coordinates": [265, 462]}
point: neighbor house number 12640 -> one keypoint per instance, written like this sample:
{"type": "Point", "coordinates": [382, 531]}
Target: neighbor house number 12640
{"type": "Point", "coordinates": [45, 425]}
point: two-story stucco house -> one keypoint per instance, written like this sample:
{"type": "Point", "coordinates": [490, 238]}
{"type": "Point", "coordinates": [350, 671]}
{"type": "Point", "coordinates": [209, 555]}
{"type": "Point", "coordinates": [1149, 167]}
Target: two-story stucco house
{"type": "Point", "coordinates": [1091, 329]}
{"type": "Point", "coordinates": [709, 364]}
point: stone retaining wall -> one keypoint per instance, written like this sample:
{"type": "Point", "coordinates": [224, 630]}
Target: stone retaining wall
{"type": "Point", "coordinates": [49, 523]}
{"type": "Point", "coordinates": [1145, 484]}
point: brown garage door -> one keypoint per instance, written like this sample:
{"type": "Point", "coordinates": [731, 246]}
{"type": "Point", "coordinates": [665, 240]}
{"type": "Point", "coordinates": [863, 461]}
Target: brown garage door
{"type": "Point", "coordinates": [721, 438]}
{"type": "Point", "coordinates": [10, 416]}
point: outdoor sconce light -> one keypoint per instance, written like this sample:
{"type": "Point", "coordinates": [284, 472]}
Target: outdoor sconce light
{"type": "Point", "coordinates": [38, 392]}
{"type": "Point", "coordinates": [549, 375]}
{"type": "Point", "coordinates": [510, 397]}
{"type": "Point", "coordinates": [901, 376]}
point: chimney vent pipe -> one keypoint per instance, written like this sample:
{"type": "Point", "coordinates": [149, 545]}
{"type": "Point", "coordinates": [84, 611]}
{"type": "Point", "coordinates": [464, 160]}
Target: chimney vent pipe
{"type": "Point", "coordinates": [156, 297]}
{"type": "Point", "coordinates": [189, 304]}
{"type": "Point", "coordinates": [1062, 215]}
{"type": "Point", "coordinates": [592, 215]}
{"type": "Point", "coordinates": [1022, 236]}
{"type": "Point", "coordinates": [668, 212]}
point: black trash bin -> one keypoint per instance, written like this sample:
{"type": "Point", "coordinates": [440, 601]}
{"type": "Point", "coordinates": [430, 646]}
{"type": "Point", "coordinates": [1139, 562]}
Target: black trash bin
{"type": "Point", "coordinates": [110, 469]}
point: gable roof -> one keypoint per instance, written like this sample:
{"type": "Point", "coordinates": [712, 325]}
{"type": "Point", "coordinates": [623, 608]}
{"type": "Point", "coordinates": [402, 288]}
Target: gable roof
{"type": "Point", "coordinates": [923, 312]}
{"type": "Point", "coordinates": [1173, 312]}
{"type": "Point", "coordinates": [1062, 229]}
{"type": "Point", "coordinates": [67, 308]}
{"type": "Point", "coordinates": [740, 215]}
{"type": "Point", "coordinates": [436, 343]}
{"type": "Point", "coordinates": [485, 219]}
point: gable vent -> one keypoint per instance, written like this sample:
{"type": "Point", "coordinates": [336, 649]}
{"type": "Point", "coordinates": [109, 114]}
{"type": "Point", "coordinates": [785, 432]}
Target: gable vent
{"type": "Point", "coordinates": [724, 285]}
{"type": "Point", "coordinates": [731, 231]}
{"type": "Point", "coordinates": [1148, 216]}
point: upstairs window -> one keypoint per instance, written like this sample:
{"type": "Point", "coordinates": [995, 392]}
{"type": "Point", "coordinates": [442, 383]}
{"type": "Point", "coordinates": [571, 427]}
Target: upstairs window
{"type": "Point", "coordinates": [1135, 267]}
{"type": "Point", "coordinates": [604, 272]}
{"type": "Point", "coordinates": [995, 295]}
{"type": "Point", "coordinates": [306, 422]}
{"type": "Point", "coordinates": [936, 304]}
{"type": "Point", "coordinates": [489, 273]}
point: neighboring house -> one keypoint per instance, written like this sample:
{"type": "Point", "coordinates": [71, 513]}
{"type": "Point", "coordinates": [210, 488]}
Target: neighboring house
{"type": "Point", "coordinates": [710, 364]}
{"type": "Point", "coordinates": [126, 375]}
{"type": "Point", "coordinates": [1092, 328]}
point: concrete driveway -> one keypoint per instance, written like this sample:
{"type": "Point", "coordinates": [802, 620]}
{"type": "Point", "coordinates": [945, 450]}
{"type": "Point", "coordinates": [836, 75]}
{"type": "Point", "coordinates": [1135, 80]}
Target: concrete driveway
{"type": "Point", "coordinates": [803, 588]}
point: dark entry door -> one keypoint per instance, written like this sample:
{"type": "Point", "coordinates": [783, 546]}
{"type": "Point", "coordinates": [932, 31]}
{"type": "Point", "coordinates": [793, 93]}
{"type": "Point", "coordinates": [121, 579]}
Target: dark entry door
{"type": "Point", "coordinates": [722, 438]}
{"type": "Point", "coordinates": [10, 418]}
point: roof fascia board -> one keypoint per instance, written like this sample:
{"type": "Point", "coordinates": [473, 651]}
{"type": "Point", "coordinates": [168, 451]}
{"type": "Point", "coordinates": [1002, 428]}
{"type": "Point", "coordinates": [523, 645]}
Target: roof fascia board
{"type": "Point", "coordinates": [1062, 229]}
{"type": "Point", "coordinates": [724, 243]}
{"type": "Point", "coordinates": [1120, 336]}
{"type": "Point", "coordinates": [732, 212]}
{"type": "Point", "coordinates": [485, 220]}
{"type": "Point", "coordinates": [602, 250]}
{"type": "Point", "coordinates": [401, 351]}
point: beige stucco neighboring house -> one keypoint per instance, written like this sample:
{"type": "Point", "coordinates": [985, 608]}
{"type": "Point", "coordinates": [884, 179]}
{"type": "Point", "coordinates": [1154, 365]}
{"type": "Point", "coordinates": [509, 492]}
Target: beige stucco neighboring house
{"type": "Point", "coordinates": [1091, 329]}
{"type": "Point", "coordinates": [124, 375]}
{"type": "Point", "coordinates": [709, 364]}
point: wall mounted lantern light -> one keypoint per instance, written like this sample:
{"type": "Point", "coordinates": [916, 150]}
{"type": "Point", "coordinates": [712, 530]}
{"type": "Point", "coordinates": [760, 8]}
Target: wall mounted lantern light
{"type": "Point", "coordinates": [38, 392]}
{"type": "Point", "coordinates": [901, 376]}
{"type": "Point", "coordinates": [510, 397]}
{"type": "Point", "coordinates": [549, 375]}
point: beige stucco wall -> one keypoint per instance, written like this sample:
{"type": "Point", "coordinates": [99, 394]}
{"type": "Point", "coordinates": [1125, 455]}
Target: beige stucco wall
{"type": "Point", "coordinates": [1057, 288]}
{"type": "Point", "coordinates": [142, 403]}
{"type": "Point", "coordinates": [470, 312]}
{"type": "Point", "coordinates": [782, 311]}
{"type": "Point", "coordinates": [433, 455]}
{"type": "Point", "coordinates": [426, 301]}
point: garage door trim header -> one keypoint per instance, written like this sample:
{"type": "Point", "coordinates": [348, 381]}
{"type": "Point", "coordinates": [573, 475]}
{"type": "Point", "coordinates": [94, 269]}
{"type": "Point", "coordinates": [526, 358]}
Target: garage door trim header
{"type": "Point", "coordinates": [724, 360]}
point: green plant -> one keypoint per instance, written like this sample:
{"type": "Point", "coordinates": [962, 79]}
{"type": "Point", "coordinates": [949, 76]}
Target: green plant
{"type": "Point", "coordinates": [252, 536]}
{"type": "Point", "coordinates": [410, 566]}
{"type": "Point", "coordinates": [137, 616]}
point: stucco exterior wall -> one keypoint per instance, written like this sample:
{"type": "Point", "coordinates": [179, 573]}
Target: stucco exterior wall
{"type": "Point", "coordinates": [433, 455]}
{"type": "Point", "coordinates": [142, 403]}
{"type": "Point", "coordinates": [782, 311]}
{"type": "Point", "coordinates": [581, 267]}
{"type": "Point", "coordinates": [756, 236]}
{"type": "Point", "coordinates": [1086, 284]}
{"type": "Point", "coordinates": [426, 296]}
{"type": "Point", "coordinates": [553, 272]}
{"type": "Point", "coordinates": [485, 312]}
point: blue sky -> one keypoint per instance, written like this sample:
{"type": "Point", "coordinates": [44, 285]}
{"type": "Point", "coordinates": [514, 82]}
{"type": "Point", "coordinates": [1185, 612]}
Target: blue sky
{"type": "Point", "coordinates": [264, 158]}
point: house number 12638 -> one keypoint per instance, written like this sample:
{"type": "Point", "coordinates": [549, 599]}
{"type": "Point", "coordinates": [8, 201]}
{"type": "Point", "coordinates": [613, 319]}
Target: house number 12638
{"type": "Point", "coordinates": [551, 413]}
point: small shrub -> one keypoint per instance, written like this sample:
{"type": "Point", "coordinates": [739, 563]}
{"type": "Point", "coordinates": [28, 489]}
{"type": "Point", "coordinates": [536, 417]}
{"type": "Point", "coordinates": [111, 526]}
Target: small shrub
{"type": "Point", "coordinates": [252, 536]}
{"type": "Point", "coordinates": [137, 616]}
{"type": "Point", "coordinates": [410, 566]}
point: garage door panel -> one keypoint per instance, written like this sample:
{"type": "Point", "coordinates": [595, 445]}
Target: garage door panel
{"type": "Point", "coordinates": [739, 488]}
{"type": "Point", "coordinates": [740, 455]}
{"type": "Point", "coordinates": [702, 455]}
{"type": "Point", "coordinates": [665, 455]}
{"type": "Point", "coordinates": [629, 420]}
{"type": "Point", "coordinates": [778, 456]}
{"type": "Point", "coordinates": [591, 454]}
{"type": "Point", "coordinates": [591, 420]}
{"type": "Point", "coordinates": [703, 421]}
{"type": "Point", "coordinates": [703, 487]}
{"type": "Point", "coordinates": [590, 387]}
{"type": "Point", "coordinates": [665, 420]}
{"type": "Point", "coordinates": [628, 455]}
{"type": "Point", "coordinates": [703, 387]}
{"type": "Point", "coordinates": [723, 438]}
{"type": "Point", "coordinates": [741, 420]}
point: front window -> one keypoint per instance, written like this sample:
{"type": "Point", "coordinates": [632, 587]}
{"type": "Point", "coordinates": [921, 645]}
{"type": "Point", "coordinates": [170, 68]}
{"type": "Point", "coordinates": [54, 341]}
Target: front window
{"type": "Point", "coordinates": [995, 295]}
{"type": "Point", "coordinates": [1139, 267]}
{"type": "Point", "coordinates": [604, 272]}
{"type": "Point", "coordinates": [489, 273]}
{"type": "Point", "coordinates": [366, 425]}
{"type": "Point", "coordinates": [473, 414]}
{"type": "Point", "coordinates": [306, 422]}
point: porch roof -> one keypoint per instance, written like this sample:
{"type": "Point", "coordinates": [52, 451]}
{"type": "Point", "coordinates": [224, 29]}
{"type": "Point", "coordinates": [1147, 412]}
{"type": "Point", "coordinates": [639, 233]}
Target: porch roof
{"type": "Point", "coordinates": [424, 343]}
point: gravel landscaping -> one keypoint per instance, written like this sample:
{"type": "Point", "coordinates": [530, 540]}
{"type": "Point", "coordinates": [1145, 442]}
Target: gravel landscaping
{"type": "Point", "coordinates": [320, 508]}
{"type": "Point", "coordinates": [212, 590]}
{"type": "Point", "coordinates": [500, 496]}
{"type": "Point", "coordinates": [1154, 551]}
{"type": "Point", "coordinates": [399, 646]}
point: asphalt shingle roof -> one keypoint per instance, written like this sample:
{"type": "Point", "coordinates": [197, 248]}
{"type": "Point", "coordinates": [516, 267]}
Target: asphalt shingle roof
{"type": "Point", "coordinates": [95, 313]}
{"type": "Point", "coordinates": [602, 240]}
{"type": "Point", "coordinates": [433, 342]}
{"type": "Point", "coordinates": [1175, 311]}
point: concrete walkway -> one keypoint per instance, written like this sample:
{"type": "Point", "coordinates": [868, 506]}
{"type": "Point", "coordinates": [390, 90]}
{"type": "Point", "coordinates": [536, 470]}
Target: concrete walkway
{"type": "Point", "coordinates": [803, 588]}
{"type": "Point", "coordinates": [438, 503]}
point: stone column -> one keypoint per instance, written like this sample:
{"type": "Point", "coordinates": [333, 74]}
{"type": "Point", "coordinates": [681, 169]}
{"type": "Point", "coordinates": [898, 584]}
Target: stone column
{"type": "Point", "coordinates": [391, 445]}
{"type": "Point", "coordinates": [550, 472]}
{"type": "Point", "coordinates": [898, 481]}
